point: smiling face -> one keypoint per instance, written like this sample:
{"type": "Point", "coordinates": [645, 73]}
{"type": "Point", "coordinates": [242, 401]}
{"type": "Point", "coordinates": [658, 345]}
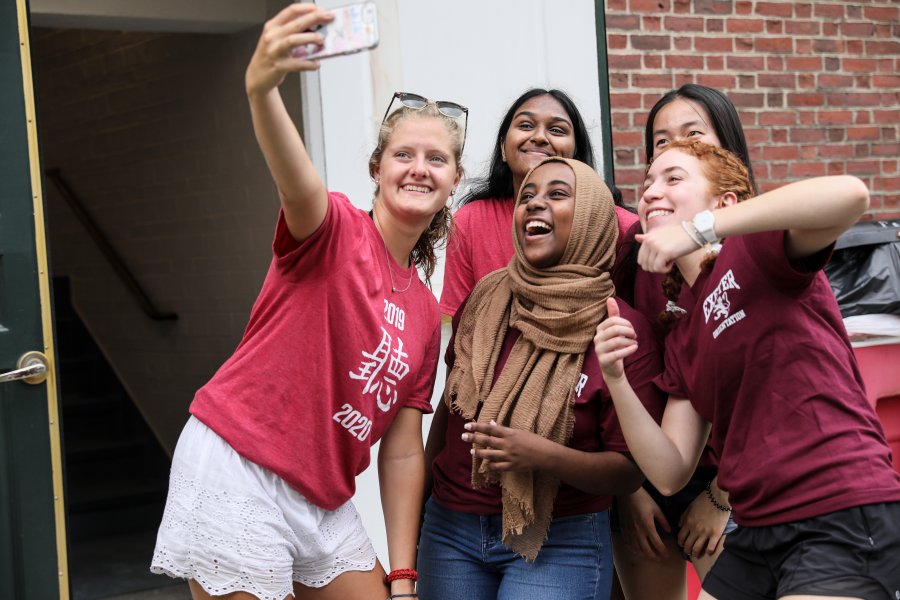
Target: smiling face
{"type": "Point", "coordinates": [544, 213]}
{"type": "Point", "coordinates": [417, 169]}
{"type": "Point", "coordinates": [676, 188]}
{"type": "Point", "coordinates": [541, 127]}
{"type": "Point", "coordinates": [682, 119]}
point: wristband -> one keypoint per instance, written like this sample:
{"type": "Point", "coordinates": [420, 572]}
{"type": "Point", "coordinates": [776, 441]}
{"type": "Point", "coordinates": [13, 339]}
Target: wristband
{"type": "Point", "coordinates": [692, 233]}
{"type": "Point", "coordinates": [713, 500]}
{"type": "Point", "coordinates": [400, 574]}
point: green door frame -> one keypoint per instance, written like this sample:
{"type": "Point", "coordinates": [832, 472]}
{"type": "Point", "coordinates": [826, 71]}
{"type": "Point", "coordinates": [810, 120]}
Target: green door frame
{"type": "Point", "coordinates": [603, 91]}
{"type": "Point", "coordinates": [33, 562]}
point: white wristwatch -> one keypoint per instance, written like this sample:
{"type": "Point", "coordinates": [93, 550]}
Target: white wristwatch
{"type": "Point", "coordinates": [705, 222]}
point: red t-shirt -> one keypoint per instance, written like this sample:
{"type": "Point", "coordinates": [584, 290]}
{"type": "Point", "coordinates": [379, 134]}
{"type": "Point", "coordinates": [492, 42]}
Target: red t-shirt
{"type": "Point", "coordinates": [596, 428]}
{"type": "Point", "coordinates": [763, 355]}
{"type": "Point", "coordinates": [329, 357]}
{"type": "Point", "coordinates": [482, 242]}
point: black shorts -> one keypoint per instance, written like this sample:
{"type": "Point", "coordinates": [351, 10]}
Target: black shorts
{"type": "Point", "coordinates": [852, 552]}
{"type": "Point", "coordinates": [673, 506]}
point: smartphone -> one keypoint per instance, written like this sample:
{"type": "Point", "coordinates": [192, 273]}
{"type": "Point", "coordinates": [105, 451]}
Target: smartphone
{"type": "Point", "coordinates": [354, 29]}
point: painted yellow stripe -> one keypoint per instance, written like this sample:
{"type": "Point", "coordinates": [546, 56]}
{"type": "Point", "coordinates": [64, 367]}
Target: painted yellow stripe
{"type": "Point", "coordinates": [44, 283]}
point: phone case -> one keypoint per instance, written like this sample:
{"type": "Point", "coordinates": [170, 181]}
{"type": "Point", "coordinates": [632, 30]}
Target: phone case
{"type": "Point", "coordinates": [354, 29]}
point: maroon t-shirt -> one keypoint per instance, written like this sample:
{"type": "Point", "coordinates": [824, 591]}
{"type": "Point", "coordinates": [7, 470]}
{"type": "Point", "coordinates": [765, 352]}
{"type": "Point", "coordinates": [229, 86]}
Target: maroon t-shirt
{"type": "Point", "coordinates": [596, 428]}
{"type": "Point", "coordinates": [763, 355]}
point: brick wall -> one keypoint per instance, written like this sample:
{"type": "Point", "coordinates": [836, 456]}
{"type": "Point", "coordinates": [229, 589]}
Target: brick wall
{"type": "Point", "coordinates": [817, 84]}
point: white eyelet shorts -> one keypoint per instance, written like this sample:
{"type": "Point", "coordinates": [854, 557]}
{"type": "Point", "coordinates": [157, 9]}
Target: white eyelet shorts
{"type": "Point", "coordinates": [233, 526]}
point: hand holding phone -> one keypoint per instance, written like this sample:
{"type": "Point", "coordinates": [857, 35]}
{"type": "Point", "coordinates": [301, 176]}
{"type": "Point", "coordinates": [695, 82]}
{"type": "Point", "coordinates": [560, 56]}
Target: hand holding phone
{"type": "Point", "coordinates": [354, 29]}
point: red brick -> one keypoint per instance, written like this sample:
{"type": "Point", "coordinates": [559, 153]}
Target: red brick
{"type": "Point", "coordinates": [886, 81]}
{"type": "Point", "coordinates": [743, 8]}
{"type": "Point", "coordinates": [616, 42]}
{"type": "Point", "coordinates": [653, 61]}
{"type": "Point", "coordinates": [680, 61]}
{"type": "Point", "coordinates": [863, 118]}
{"type": "Point", "coordinates": [721, 82]}
{"type": "Point", "coordinates": [889, 14]}
{"type": "Point", "coordinates": [864, 167]}
{"type": "Point", "coordinates": [616, 5]}
{"type": "Point", "coordinates": [715, 63]}
{"type": "Point", "coordinates": [828, 45]}
{"type": "Point", "coordinates": [651, 23]}
{"type": "Point", "coordinates": [630, 176]}
{"type": "Point", "coordinates": [624, 101]}
{"type": "Point", "coordinates": [803, 63]}
{"type": "Point", "coordinates": [651, 42]}
{"type": "Point", "coordinates": [807, 169]}
{"type": "Point", "coordinates": [652, 81]}
{"type": "Point", "coordinates": [807, 118]}
{"type": "Point", "coordinates": [853, 99]}
{"type": "Point", "coordinates": [802, 11]}
{"type": "Point", "coordinates": [743, 44]}
{"type": "Point", "coordinates": [775, 100]}
{"type": "Point", "coordinates": [713, 7]}
{"type": "Point", "coordinates": [775, 9]}
{"type": "Point", "coordinates": [684, 24]}
{"type": "Point", "coordinates": [788, 152]}
{"type": "Point", "coordinates": [715, 25]}
{"type": "Point", "coordinates": [836, 135]}
{"type": "Point", "coordinates": [834, 151]}
{"type": "Point", "coordinates": [835, 117]}
{"type": "Point", "coordinates": [747, 100]}
{"type": "Point", "coordinates": [708, 44]}
{"type": "Point", "coordinates": [863, 133]}
{"type": "Point", "coordinates": [834, 81]}
{"type": "Point", "coordinates": [745, 63]}
{"type": "Point", "coordinates": [649, 6]}
{"type": "Point", "coordinates": [806, 99]}
{"type": "Point", "coordinates": [627, 22]}
{"type": "Point", "coordinates": [776, 45]}
{"type": "Point", "coordinates": [619, 80]}
{"type": "Point", "coordinates": [798, 136]}
{"type": "Point", "coordinates": [803, 28]}
{"type": "Point", "coordinates": [866, 65]}
{"type": "Point", "coordinates": [803, 46]}
{"type": "Point", "coordinates": [683, 43]}
{"type": "Point", "coordinates": [778, 80]}
{"type": "Point", "coordinates": [745, 26]}
{"type": "Point", "coordinates": [891, 150]}
{"type": "Point", "coordinates": [882, 47]}
{"type": "Point", "coordinates": [857, 29]}
{"type": "Point", "coordinates": [854, 47]}
{"type": "Point", "coordinates": [775, 117]}
{"type": "Point", "coordinates": [774, 27]}
{"type": "Point", "coordinates": [632, 62]}
{"type": "Point", "coordinates": [829, 11]}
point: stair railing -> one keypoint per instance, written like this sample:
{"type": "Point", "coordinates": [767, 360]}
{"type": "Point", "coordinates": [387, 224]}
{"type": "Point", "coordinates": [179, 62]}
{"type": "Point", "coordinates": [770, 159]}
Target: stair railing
{"type": "Point", "coordinates": [106, 248]}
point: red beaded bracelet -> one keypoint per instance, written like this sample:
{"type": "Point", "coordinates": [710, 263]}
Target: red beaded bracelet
{"type": "Point", "coordinates": [401, 574]}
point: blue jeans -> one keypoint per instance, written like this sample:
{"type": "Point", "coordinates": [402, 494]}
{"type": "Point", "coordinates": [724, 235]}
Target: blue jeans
{"type": "Point", "coordinates": [462, 556]}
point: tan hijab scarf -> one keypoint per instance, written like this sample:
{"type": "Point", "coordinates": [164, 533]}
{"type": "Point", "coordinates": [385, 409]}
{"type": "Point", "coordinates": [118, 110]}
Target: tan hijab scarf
{"type": "Point", "coordinates": [557, 310]}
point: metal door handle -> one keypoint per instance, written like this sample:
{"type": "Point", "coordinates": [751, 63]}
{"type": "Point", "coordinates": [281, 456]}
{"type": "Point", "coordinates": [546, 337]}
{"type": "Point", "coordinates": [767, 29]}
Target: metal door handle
{"type": "Point", "coordinates": [32, 368]}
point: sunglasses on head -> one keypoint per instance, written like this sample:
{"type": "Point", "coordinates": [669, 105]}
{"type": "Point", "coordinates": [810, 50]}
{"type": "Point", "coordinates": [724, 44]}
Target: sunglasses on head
{"type": "Point", "coordinates": [417, 102]}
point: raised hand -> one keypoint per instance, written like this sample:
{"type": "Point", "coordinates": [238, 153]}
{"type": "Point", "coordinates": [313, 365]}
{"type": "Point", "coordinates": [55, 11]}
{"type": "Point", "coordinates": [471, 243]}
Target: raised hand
{"type": "Point", "coordinates": [615, 339]}
{"type": "Point", "coordinates": [273, 58]}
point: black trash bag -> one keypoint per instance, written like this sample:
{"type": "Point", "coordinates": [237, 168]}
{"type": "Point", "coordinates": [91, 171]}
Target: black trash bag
{"type": "Point", "coordinates": [864, 270]}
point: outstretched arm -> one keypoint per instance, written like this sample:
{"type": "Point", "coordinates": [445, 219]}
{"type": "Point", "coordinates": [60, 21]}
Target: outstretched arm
{"type": "Point", "coordinates": [814, 212]}
{"type": "Point", "coordinates": [401, 475]}
{"type": "Point", "coordinates": [667, 454]}
{"type": "Point", "coordinates": [303, 195]}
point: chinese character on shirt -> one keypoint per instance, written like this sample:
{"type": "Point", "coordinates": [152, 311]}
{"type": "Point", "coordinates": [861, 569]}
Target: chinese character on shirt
{"type": "Point", "coordinates": [383, 385]}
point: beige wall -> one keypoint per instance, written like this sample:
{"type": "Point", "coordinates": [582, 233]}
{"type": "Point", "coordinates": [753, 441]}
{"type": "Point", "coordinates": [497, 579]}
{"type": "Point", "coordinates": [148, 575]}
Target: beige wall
{"type": "Point", "coordinates": [153, 132]}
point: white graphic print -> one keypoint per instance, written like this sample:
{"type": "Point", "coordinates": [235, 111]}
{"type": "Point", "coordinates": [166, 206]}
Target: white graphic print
{"type": "Point", "coordinates": [581, 381]}
{"type": "Point", "coordinates": [717, 303]}
{"type": "Point", "coordinates": [383, 385]}
{"type": "Point", "coordinates": [718, 306]}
